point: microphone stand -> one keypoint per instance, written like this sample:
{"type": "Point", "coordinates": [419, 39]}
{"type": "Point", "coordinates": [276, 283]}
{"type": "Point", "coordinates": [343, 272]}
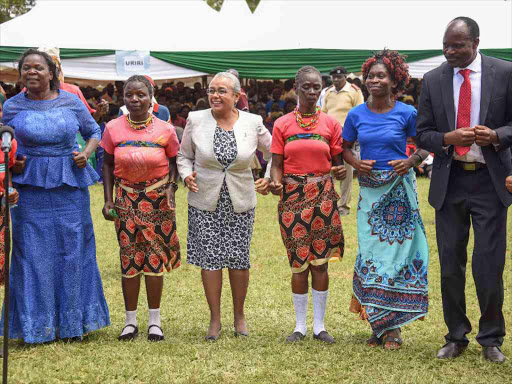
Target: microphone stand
{"type": "Point", "coordinates": [7, 251]}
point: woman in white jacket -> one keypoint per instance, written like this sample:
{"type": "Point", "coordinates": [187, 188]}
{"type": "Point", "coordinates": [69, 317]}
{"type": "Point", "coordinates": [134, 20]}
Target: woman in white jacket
{"type": "Point", "coordinates": [214, 161]}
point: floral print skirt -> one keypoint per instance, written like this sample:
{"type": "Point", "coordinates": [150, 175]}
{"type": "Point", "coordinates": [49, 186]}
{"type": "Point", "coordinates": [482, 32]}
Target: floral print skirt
{"type": "Point", "coordinates": [309, 221]}
{"type": "Point", "coordinates": [146, 231]}
{"type": "Point", "coordinates": [390, 276]}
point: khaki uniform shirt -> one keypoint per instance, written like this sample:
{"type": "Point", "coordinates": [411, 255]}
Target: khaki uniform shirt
{"type": "Point", "coordinates": [338, 103]}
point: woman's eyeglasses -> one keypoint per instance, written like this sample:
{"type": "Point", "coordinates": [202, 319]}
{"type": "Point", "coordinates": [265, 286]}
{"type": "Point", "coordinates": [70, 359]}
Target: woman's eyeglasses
{"type": "Point", "coordinates": [220, 91]}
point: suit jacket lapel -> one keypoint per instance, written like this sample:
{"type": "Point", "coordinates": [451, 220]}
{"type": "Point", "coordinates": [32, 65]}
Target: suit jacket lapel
{"type": "Point", "coordinates": [208, 127]}
{"type": "Point", "coordinates": [487, 86]}
{"type": "Point", "coordinates": [240, 132]}
{"type": "Point", "coordinates": [447, 93]}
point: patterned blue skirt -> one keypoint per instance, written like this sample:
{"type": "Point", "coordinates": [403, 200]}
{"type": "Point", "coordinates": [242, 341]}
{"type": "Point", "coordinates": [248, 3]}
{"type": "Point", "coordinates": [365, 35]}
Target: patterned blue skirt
{"type": "Point", "coordinates": [390, 274]}
{"type": "Point", "coordinates": [56, 289]}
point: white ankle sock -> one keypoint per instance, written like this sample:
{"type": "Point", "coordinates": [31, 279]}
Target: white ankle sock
{"type": "Point", "coordinates": [300, 302]}
{"type": "Point", "coordinates": [131, 319]}
{"type": "Point", "coordinates": [154, 319]}
{"type": "Point", "coordinates": [319, 304]}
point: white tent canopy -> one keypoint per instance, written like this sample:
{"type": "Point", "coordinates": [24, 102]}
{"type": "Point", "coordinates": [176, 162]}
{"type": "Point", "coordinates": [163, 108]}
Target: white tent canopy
{"type": "Point", "coordinates": [103, 69]}
{"type": "Point", "coordinates": [192, 25]}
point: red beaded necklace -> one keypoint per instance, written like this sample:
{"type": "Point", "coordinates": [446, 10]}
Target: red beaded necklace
{"type": "Point", "coordinates": [311, 124]}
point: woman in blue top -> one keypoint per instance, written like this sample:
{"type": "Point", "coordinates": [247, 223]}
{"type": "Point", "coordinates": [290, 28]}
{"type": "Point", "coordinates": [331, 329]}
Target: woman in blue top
{"type": "Point", "coordinates": [390, 277]}
{"type": "Point", "coordinates": [56, 287]}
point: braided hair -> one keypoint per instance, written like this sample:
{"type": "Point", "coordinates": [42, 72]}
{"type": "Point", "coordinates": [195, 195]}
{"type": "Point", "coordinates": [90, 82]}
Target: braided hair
{"type": "Point", "coordinates": [395, 64]}
{"type": "Point", "coordinates": [304, 70]}
{"type": "Point", "coordinates": [142, 79]}
{"type": "Point", "coordinates": [52, 67]}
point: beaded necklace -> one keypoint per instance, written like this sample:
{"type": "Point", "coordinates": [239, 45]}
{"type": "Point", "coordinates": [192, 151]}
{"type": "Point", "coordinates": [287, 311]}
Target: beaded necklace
{"type": "Point", "coordinates": [311, 124]}
{"type": "Point", "coordinates": [140, 125]}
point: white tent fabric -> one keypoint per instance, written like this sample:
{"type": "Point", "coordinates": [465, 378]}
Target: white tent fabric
{"type": "Point", "coordinates": [396, 24]}
{"type": "Point", "coordinates": [191, 25]}
{"type": "Point", "coordinates": [418, 68]}
{"type": "Point", "coordinates": [103, 68]}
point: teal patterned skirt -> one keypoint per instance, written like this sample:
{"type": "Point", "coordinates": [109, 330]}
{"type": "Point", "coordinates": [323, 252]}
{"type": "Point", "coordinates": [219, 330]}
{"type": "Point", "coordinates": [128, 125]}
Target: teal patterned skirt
{"type": "Point", "coordinates": [390, 275]}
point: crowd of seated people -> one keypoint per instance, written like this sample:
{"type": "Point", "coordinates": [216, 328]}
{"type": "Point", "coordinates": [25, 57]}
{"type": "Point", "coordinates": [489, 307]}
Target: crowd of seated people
{"type": "Point", "coordinates": [270, 98]}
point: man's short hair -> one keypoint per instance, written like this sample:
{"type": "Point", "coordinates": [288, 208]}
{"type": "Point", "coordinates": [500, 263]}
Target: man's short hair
{"type": "Point", "coordinates": [474, 30]}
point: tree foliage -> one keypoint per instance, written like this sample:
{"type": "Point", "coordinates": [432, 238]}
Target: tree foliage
{"type": "Point", "coordinates": [9, 9]}
{"type": "Point", "coordinates": [217, 4]}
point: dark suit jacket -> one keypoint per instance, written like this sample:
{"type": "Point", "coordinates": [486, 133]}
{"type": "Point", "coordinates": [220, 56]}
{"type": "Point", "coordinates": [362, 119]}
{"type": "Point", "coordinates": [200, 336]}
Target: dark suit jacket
{"type": "Point", "coordinates": [436, 116]}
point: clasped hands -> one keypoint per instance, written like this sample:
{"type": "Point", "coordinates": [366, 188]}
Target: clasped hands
{"type": "Point", "coordinates": [338, 171]}
{"type": "Point", "coordinates": [465, 137]}
{"type": "Point", "coordinates": [402, 166]}
{"type": "Point", "coordinates": [260, 185]}
{"type": "Point", "coordinates": [80, 159]}
{"type": "Point", "coordinates": [508, 183]}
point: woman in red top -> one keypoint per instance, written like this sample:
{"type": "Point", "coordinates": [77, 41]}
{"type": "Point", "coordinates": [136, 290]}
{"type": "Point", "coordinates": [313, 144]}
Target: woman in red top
{"type": "Point", "coordinates": [306, 148]}
{"type": "Point", "coordinates": [13, 197]}
{"type": "Point", "coordinates": [140, 161]}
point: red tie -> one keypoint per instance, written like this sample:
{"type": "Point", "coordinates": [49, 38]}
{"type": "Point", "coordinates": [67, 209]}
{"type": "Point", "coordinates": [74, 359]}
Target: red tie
{"type": "Point", "coordinates": [464, 110]}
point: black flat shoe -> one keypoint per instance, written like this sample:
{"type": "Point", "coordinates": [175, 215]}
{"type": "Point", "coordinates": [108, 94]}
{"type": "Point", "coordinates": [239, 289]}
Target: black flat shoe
{"type": "Point", "coordinates": [240, 333]}
{"type": "Point", "coordinates": [129, 336]}
{"type": "Point", "coordinates": [493, 354]}
{"type": "Point", "coordinates": [294, 337]}
{"type": "Point", "coordinates": [154, 336]}
{"type": "Point", "coordinates": [74, 339]}
{"type": "Point", "coordinates": [451, 350]}
{"type": "Point", "coordinates": [325, 337]}
{"type": "Point", "coordinates": [213, 338]}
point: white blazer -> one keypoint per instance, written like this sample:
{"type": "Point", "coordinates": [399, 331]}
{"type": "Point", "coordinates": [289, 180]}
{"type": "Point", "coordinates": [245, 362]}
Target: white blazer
{"type": "Point", "coordinates": [196, 154]}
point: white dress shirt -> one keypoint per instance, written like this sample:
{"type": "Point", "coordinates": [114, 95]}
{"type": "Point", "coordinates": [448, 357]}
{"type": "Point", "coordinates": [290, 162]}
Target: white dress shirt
{"type": "Point", "coordinates": [475, 77]}
{"type": "Point", "coordinates": [320, 101]}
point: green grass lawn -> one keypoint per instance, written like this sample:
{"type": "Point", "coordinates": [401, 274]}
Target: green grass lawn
{"type": "Point", "coordinates": [264, 357]}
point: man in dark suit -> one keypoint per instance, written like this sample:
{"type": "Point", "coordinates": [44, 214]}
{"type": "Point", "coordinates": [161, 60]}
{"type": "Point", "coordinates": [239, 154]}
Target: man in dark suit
{"type": "Point", "coordinates": [465, 118]}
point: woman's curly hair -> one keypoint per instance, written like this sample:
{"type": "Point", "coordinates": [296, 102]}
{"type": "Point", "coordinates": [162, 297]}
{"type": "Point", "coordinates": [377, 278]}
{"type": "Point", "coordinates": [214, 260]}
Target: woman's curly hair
{"type": "Point", "coordinates": [395, 64]}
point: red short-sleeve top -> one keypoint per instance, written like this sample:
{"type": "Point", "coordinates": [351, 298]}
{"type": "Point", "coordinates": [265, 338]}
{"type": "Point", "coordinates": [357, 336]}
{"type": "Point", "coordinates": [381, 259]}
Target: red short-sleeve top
{"type": "Point", "coordinates": [306, 151]}
{"type": "Point", "coordinates": [140, 155]}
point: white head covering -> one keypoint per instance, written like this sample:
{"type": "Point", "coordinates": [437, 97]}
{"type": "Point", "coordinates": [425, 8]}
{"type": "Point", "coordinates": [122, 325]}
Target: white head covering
{"type": "Point", "coordinates": [54, 53]}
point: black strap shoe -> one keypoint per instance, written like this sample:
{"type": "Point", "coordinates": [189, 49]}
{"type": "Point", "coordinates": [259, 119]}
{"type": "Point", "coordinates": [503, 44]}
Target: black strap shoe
{"type": "Point", "coordinates": [154, 336]}
{"type": "Point", "coordinates": [129, 336]}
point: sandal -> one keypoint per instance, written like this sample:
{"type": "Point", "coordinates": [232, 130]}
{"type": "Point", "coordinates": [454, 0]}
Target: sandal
{"type": "Point", "coordinates": [129, 336]}
{"type": "Point", "coordinates": [154, 336]}
{"type": "Point", "coordinates": [392, 340]}
{"type": "Point", "coordinates": [374, 341]}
